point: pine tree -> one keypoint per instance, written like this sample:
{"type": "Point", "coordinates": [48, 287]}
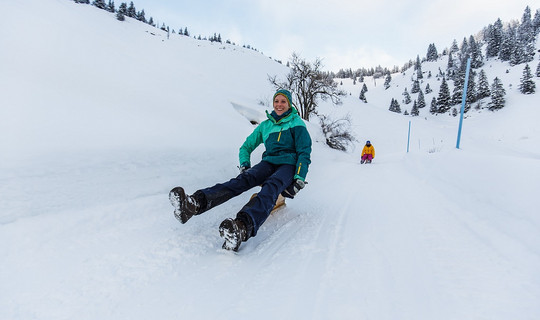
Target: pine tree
{"type": "Point", "coordinates": [471, 92]}
{"type": "Point", "coordinates": [477, 60]}
{"type": "Point", "coordinates": [527, 85]}
{"type": "Point", "coordinates": [538, 70]}
{"type": "Point", "coordinates": [443, 101]}
{"type": "Point", "coordinates": [363, 93]}
{"type": "Point", "coordinates": [459, 83]}
{"type": "Point", "coordinates": [364, 87]}
{"type": "Point", "coordinates": [418, 68]}
{"type": "Point", "coordinates": [120, 16]}
{"type": "Point", "coordinates": [414, 111]}
{"type": "Point", "coordinates": [131, 11]}
{"type": "Point", "coordinates": [140, 16]}
{"type": "Point", "coordinates": [483, 85]}
{"type": "Point", "coordinates": [428, 89]}
{"type": "Point", "coordinates": [387, 81]}
{"type": "Point", "coordinates": [454, 48]}
{"type": "Point", "coordinates": [526, 37]}
{"type": "Point", "coordinates": [394, 106]}
{"type": "Point", "coordinates": [110, 6]}
{"type": "Point", "coordinates": [421, 100]}
{"type": "Point", "coordinates": [536, 23]}
{"type": "Point", "coordinates": [415, 87]}
{"type": "Point", "coordinates": [507, 44]}
{"type": "Point", "coordinates": [151, 22]}
{"type": "Point", "coordinates": [122, 9]}
{"type": "Point", "coordinates": [433, 107]}
{"type": "Point", "coordinates": [450, 66]}
{"type": "Point", "coordinates": [432, 54]}
{"type": "Point", "coordinates": [406, 97]}
{"type": "Point", "coordinates": [100, 4]}
{"type": "Point", "coordinates": [493, 37]}
{"type": "Point", "coordinates": [497, 95]}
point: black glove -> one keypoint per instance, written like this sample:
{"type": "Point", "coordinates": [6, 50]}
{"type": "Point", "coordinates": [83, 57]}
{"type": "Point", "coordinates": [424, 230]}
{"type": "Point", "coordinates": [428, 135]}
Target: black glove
{"type": "Point", "coordinates": [243, 168]}
{"type": "Point", "coordinates": [293, 189]}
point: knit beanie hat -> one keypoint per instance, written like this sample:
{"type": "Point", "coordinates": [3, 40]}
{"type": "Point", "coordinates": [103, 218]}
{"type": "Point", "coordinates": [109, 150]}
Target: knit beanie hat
{"type": "Point", "coordinates": [286, 94]}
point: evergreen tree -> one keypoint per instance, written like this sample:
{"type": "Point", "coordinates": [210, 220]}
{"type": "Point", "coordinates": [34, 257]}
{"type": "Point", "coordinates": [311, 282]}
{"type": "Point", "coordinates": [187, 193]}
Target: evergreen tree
{"type": "Point", "coordinates": [450, 66]}
{"type": "Point", "coordinates": [122, 9]}
{"type": "Point", "coordinates": [140, 16]}
{"type": "Point", "coordinates": [421, 100]}
{"type": "Point", "coordinates": [100, 4]}
{"type": "Point", "coordinates": [406, 97]}
{"type": "Point", "coordinates": [414, 111]}
{"type": "Point", "coordinates": [494, 37]}
{"type": "Point", "coordinates": [432, 54]}
{"type": "Point", "coordinates": [526, 37]}
{"type": "Point", "coordinates": [527, 85]}
{"type": "Point", "coordinates": [433, 109]}
{"type": "Point", "coordinates": [418, 68]}
{"type": "Point", "coordinates": [483, 85]}
{"type": "Point", "coordinates": [477, 60]}
{"type": "Point", "coordinates": [454, 48]}
{"type": "Point", "coordinates": [394, 106]}
{"type": "Point", "coordinates": [417, 64]}
{"type": "Point", "coordinates": [497, 95]}
{"type": "Point", "coordinates": [131, 12]}
{"type": "Point", "coordinates": [459, 83]}
{"type": "Point", "coordinates": [538, 70]}
{"type": "Point", "coordinates": [110, 6]}
{"type": "Point", "coordinates": [387, 81]}
{"type": "Point", "coordinates": [364, 87]}
{"type": "Point", "coordinates": [464, 50]}
{"type": "Point", "coordinates": [536, 23]}
{"type": "Point", "coordinates": [363, 93]}
{"type": "Point", "coordinates": [471, 92]}
{"type": "Point", "coordinates": [507, 44]}
{"type": "Point", "coordinates": [120, 16]}
{"type": "Point", "coordinates": [443, 101]}
{"type": "Point", "coordinates": [428, 89]}
{"type": "Point", "coordinates": [415, 87]}
{"type": "Point", "coordinates": [186, 33]}
{"type": "Point", "coordinates": [151, 22]}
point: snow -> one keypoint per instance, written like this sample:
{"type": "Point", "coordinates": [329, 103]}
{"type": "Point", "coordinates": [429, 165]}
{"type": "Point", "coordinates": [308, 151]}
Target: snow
{"type": "Point", "coordinates": [100, 119]}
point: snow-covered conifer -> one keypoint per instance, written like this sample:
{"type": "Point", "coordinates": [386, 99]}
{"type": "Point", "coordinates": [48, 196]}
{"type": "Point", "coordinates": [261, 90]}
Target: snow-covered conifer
{"type": "Point", "coordinates": [497, 95]}
{"type": "Point", "coordinates": [527, 85]}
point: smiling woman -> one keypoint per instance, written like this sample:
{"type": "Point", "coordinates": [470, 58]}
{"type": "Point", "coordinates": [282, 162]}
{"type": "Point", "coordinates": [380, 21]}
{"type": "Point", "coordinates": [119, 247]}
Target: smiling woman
{"type": "Point", "coordinates": [282, 171]}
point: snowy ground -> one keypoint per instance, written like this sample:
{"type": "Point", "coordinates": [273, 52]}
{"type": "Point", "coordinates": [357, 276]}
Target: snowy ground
{"type": "Point", "coordinates": [86, 230]}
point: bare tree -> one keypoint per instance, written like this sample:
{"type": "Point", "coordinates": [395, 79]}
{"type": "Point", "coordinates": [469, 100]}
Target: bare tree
{"type": "Point", "coordinates": [308, 84]}
{"type": "Point", "coordinates": [337, 132]}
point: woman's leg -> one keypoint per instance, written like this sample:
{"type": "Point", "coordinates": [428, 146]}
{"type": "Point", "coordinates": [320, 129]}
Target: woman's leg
{"type": "Point", "coordinates": [259, 208]}
{"type": "Point", "coordinates": [221, 192]}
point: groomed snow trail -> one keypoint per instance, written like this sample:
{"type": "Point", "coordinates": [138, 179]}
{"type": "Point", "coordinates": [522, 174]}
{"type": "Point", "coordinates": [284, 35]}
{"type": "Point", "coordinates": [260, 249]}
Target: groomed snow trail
{"type": "Point", "coordinates": [353, 245]}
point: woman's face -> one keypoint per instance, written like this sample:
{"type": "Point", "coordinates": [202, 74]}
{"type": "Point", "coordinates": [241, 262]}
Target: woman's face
{"type": "Point", "coordinates": [280, 104]}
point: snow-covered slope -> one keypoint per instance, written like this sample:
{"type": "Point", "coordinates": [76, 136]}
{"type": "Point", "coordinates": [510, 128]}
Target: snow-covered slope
{"type": "Point", "coordinates": [100, 119]}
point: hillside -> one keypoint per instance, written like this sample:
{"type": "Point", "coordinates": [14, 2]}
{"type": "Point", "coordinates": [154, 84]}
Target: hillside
{"type": "Point", "coordinates": [101, 118]}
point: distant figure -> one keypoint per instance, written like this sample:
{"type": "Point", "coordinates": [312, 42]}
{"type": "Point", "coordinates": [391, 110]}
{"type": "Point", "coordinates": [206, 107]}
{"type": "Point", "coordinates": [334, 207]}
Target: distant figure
{"type": "Point", "coordinates": [368, 153]}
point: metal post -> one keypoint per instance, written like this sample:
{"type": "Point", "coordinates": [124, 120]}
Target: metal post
{"type": "Point", "coordinates": [464, 97]}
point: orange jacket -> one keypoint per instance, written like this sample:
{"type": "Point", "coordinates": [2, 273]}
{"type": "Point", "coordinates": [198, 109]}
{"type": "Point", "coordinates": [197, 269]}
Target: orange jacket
{"type": "Point", "coordinates": [369, 150]}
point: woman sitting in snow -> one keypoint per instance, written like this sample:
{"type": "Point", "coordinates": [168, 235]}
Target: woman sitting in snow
{"type": "Point", "coordinates": [283, 170]}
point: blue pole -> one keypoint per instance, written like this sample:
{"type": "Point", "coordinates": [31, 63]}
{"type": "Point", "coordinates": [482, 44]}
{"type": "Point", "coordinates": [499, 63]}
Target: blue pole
{"type": "Point", "coordinates": [409, 136]}
{"type": "Point", "coordinates": [463, 98]}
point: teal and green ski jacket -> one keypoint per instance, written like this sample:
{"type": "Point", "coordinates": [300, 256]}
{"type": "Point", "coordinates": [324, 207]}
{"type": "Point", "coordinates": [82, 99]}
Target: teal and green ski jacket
{"type": "Point", "coordinates": [287, 141]}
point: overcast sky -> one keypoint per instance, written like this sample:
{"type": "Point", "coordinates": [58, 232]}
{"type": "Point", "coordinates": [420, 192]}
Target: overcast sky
{"type": "Point", "coordinates": [343, 33]}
